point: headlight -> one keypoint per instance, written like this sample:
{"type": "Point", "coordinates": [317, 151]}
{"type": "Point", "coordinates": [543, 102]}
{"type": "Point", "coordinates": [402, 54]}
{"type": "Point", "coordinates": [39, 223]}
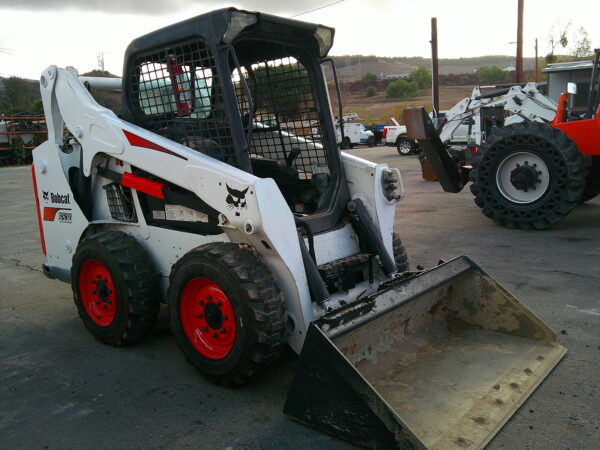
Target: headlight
{"type": "Point", "coordinates": [324, 37]}
{"type": "Point", "coordinates": [238, 20]}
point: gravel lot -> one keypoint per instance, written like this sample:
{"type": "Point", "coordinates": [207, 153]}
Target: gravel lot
{"type": "Point", "coordinates": [59, 388]}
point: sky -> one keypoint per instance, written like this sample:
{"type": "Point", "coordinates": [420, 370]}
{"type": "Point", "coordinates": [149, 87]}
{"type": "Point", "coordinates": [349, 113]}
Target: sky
{"type": "Point", "coordinates": [37, 33]}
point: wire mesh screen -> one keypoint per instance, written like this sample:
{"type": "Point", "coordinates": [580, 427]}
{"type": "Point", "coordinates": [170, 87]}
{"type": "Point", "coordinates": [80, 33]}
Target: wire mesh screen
{"type": "Point", "coordinates": [285, 116]}
{"type": "Point", "coordinates": [177, 91]}
{"type": "Point", "coordinates": [120, 202]}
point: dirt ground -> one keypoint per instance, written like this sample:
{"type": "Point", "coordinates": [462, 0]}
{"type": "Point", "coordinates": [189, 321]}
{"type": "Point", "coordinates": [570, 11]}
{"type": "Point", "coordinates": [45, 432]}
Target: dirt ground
{"type": "Point", "coordinates": [61, 389]}
{"type": "Point", "coordinates": [378, 108]}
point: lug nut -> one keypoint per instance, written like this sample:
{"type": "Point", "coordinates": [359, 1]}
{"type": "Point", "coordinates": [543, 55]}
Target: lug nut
{"type": "Point", "coordinates": [209, 298]}
{"type": "Point", "coordinates": [103, 306]}
{"type": "Point", "coordinates": [535, 165]}
{"type": "Point", "coordinates": [526, 162]}
{"type": "Point", "coordinates": [218, 303]}
{"type": "Point", "coordinates": [97, 302]}
{"type": "Point", "coordinates": [205, 329]}
{"type": "Point", "coordinates": [98, 276]}
{"type": "Point", "coordinates": [201, 303]}
{"type": "Point", "coordinates": [224, 317]}
{"type": "Point", "coordinates": [199, 316]}
{"type": "Point", "coordinates": [222, 330]}
{"type": "Point", "coordinates": [93, 292]}
{"type": "Point", "coordinates": [214, 335]}
{"type": "Point", "coordinates": [539, 172]}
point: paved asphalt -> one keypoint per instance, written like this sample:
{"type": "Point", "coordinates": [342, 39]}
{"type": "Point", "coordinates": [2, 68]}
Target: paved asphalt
{"type": "Point", "coordinates": [60, 389]}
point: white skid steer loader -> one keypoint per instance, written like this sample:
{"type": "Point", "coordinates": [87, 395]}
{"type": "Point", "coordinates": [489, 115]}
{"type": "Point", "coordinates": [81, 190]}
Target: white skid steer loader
{"type": "Point", "coordinates": [257, 234]}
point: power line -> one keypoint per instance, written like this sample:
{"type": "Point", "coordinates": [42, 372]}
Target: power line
{"type": "Point", "coordinates": [316, 9]}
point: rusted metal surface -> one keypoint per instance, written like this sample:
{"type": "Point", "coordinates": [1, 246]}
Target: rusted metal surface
{"type": "Point", "coordinates": [438, 361]}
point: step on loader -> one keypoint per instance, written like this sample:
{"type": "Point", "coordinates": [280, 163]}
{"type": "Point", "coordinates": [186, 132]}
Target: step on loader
{"type": "Point", "coordinates": [258, 233]}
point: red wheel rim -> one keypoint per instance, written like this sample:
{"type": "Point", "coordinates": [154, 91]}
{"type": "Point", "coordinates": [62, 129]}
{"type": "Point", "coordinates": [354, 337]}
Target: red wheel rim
{"type": "Point", "coordinates": [207, 318]}
{"type": "Point", "coordinates": [97, 292]}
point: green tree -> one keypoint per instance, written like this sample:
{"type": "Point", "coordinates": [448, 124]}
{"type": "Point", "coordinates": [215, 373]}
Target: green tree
{"type": "Point", "coordinates": [369, 78]}
{"type": "Point", "coordinates": [491, 74]}
{"type": "Point", "coordinates": [18, 94]}
{"type": "Point", "coordinates": [557, 36]}
{"type": "Point", "coordinates": [37, 107]}
{"type": "Point", "coordinates": [370, 91]}
{"type": "Point", "coordinates": [422, 76]}
{"type": "Point", "coordinates": [582, 47]}
{"type": "Point", "coordinates": [402, 89]}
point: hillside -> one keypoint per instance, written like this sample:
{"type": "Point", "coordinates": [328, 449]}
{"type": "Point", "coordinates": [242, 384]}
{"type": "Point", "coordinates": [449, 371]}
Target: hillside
{"type": "Point", "coordinates": [353, 67]}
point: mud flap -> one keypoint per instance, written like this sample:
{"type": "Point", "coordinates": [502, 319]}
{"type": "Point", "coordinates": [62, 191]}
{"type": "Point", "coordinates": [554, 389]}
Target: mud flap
{"type": "Point", "coordinates": [441, 360]}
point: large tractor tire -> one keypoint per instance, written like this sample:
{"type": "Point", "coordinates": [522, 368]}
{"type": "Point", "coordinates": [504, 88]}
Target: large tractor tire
{"type": "Point", "coordinates": [405, 146]}
{"type": "Point", "coordinates": [226, 311]}
{"type": "Point", "coordinates": [529, 176]}
{"type": "Point", "coordinates": [592, 181]}
{"type": "Point", "coordinates": [115, 288]}
{"type": "Point", "coordinates": [400, 255]}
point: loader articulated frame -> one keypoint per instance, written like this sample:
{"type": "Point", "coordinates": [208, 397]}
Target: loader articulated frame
{"type": "Point", "coordinates": [222, 193]}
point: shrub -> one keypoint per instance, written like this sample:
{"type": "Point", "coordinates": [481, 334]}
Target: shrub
{"type": "Point", "coordinates": [491, 74]}
{"type": "Point", "coordinates": [422, 76]}
{"type": "Point", "coordinates": [370, 91]}
{"type": "Point", "coordinates": [402, 89]}
{"type": "Point", "coordinates": [369, 78]}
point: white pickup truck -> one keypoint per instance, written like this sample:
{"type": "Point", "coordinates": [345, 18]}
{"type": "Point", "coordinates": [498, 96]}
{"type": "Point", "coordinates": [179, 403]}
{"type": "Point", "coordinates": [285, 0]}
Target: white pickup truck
{"type": "Point", "coordinates": [354, 132]}
{"type": "Point", "coordinates": [396, 135]}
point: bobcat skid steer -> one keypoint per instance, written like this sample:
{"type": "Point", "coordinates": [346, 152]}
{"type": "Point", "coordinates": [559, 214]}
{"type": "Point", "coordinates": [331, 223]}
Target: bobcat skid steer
{"type": "Point", "coordinates": [259, 233]}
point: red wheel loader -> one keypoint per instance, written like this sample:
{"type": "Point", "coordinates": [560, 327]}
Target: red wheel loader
{"type": "Point", "coordinates": [260, 234]}
{"type": "Point", "coordinates": [530, 175]}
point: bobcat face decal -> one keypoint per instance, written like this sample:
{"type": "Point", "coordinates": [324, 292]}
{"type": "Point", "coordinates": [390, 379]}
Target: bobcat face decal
{"type": "Point", "coordinates": [236, 199]}
{"type": "Point", "coordinates": [45, 195]}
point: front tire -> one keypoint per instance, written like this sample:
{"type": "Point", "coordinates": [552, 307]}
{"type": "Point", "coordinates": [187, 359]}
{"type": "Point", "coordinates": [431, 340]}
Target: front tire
{"type": "Point", "coordinates": [114, 287]}
{"type": "Point", "coordinates": [371, 141]}
{"type": "Point", "coordinates": [529, 176]}
{"type": "Point", "coordinates": [405, 146]}
{"type": "Point", "coordinates": [226, 312]}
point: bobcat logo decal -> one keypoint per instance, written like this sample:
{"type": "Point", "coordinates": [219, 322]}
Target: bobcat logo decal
{"type": "Point", "coordinates": [236, 199]}
{"type": "Point", "coordinates": [45, 195]}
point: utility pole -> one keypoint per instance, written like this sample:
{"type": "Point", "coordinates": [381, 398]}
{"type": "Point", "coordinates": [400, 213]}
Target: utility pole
{"type": "Point", "coordinates": [435, 82]}
{"type": "Point", "coordinates": [519, 62]}
{"type": "Point", "coordinates": [536, 61]}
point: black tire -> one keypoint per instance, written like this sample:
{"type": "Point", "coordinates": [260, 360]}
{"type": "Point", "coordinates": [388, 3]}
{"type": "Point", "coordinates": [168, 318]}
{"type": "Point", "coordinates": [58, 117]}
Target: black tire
{"type": "Point", "coordinates": [400, 255]}
{"type": "Point", "coordinates": [592, 181]}
{"type": "Point", "coordinates": [561, 176]}
{"type": "Point", "coordinates": [135, 299]}
{"type": "Point", "coordinates": [346, 144]}
{"type": "Point", "coordinates": [256, 302]}
{"type": "Point", "coordinates": [405, 146]}
{"type": "Point", "coordinates": [371, 141]}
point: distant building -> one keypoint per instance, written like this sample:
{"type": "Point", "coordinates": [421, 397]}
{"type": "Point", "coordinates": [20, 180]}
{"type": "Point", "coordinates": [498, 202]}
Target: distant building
{"type": "Point", "coordinates": [509, 69]}
{"type": "Point", "coordinates": [559, 74]}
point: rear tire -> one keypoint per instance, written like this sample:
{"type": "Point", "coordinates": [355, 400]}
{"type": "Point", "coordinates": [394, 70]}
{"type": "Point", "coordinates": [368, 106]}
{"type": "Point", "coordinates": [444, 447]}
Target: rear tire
{"type": "Point", "coordinates": [114, 287]}
{"type": "Point", "coordinates": [405, 146]}
{"type": "Point", "coordinates": [226, 311]}
{"type": "Point", "coordinates": [346, 144]}
{"type": "Point", "coordinates": [400, 255]}
{"type": "Point", "coordinates": [371, 141]}
{"type": "Point", "coordinates": [529, 176]}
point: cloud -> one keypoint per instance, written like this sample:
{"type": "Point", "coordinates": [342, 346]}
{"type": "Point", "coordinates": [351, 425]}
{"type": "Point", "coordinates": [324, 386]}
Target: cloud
{"type": "Point", "coordinates": [158, 6]}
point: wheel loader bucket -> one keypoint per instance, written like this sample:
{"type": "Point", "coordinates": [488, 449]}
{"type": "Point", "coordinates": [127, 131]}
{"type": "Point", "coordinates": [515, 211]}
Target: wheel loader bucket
{"type": "Point", "coordinates": [441, 360]}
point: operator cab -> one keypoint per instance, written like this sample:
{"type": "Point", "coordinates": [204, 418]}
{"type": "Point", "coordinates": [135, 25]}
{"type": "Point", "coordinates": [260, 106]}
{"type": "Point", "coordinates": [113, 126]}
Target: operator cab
{"type": "Point", "coordinates": [247, 89]}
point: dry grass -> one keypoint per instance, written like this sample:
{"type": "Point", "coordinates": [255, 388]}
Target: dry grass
{"type": "Point", "coordinates": [379, 109]}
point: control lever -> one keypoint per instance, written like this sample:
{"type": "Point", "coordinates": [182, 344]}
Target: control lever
{"type": "Point", "coordinates": [292, 155]}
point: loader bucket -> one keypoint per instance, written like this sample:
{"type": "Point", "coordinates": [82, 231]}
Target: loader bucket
{"type": "Point", "coordinates": [440, 360]}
